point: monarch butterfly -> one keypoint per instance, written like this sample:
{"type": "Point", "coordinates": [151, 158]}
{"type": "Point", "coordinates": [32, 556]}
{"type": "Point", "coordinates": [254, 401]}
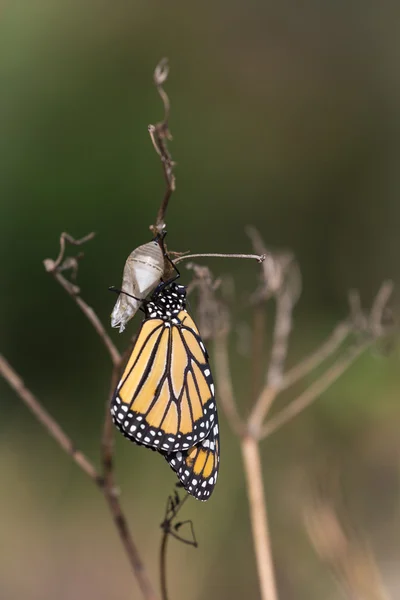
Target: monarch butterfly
{"type": "Point", "coordinates": [165, 399]}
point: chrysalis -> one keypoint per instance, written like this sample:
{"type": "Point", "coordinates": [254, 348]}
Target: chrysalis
{"type": "Point", "coordinates": [143, 269]}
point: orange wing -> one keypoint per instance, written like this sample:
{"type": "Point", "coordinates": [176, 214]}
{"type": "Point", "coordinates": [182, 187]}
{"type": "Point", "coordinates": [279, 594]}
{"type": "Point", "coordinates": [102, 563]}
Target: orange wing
{"type": "Point", "coordinates": [165, 398]}
{"type": "Point", "coordinates": [197, 468]}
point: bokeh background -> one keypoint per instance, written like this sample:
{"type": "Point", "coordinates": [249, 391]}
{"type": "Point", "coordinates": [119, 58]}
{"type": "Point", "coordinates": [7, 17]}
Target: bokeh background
{"type": "Point", "coordinates": [284, 115]}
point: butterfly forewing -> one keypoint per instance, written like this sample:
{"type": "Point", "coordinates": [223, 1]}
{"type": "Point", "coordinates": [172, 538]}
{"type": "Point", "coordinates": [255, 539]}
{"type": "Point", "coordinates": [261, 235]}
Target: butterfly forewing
{"type": "Point", "coordinates": [165, 398]}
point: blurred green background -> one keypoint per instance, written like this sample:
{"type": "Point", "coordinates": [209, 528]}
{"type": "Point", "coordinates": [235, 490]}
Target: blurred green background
{"type": "Point", "coordinates": [284, 115]}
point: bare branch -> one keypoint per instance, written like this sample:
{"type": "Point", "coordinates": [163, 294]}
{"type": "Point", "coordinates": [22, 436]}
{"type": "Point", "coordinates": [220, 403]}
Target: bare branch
{"type": "Point", "coordinates": [66, 237]}
{"type": "Point", "coordinates": [88, 311]}
{"type": "Point", "coordinates": [131, 549]}
{"type": "Point", "coordinates": [279, 271]}
{"type": "Point", "coordinates": [163, 565]}
{"type": "Point", "coordinates": [111, 492]}
{"type": "Point", "coordinates": [174, 505]}
{"type": "Point", "coordinates": [259, 520]}
{"type": "Point", "coordinates": [105, 484]}
{"type": "Point", "coordinates": [48, 422]}
{"type": "Point", "coordinates": [315, 390]}
{"type": "Point", "coordinates": [329, 347]}
{"type": "Point", "coordinates": [258, 258]}
{"type": "Point", "coordinates": [107, 481]}
{"type": "Point", "coordinates": [286, 296]}
{"type": "Point", "coordinates": [282, 329]}
{"type": "Point", "coordinates": [159, 135]}
{"type": "Point", "coordinates": [161, 73]}
{"type": "Point", "coordinates": [257, 348]}
{"type": "Point", "coordinates": [378, 309]}
{"type": "Point", "coordinates": [342, 331]}
{"type": "Point", "coordinates": [224, 384]}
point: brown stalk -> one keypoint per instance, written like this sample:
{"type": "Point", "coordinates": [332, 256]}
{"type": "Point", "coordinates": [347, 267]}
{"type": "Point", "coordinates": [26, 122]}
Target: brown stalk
{"type": "Point", "coordinates": [257, 350]}
{"type": "Point", "coordinates": [170, 528]}
{"type": "Point", "coordinates": [258, 515]}
{"type": "Point", "coordinates": [315, 390]}
{"type": "Point", "coordinates": [310, 363]}
{"type": "Point", "coordinates": [65, 442]}
{"type": "Point", "coordinates": [50, 424]}
{"type": "Point", "coordinates": [280, 283]}
{"type": "Point", "coordinates": [107, 446]}
{"type": "Point", "coordinates": [257, 257]}
{"type": "Point", "coordinates": [160, 134]}
{"type": "Point", "coordinates": [225, 386]}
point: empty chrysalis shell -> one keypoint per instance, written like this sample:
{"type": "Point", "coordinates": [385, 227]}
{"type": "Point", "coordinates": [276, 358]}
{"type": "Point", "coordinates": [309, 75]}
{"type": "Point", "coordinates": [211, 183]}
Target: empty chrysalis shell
{"type": "Point", "coordinates": [143, 270]}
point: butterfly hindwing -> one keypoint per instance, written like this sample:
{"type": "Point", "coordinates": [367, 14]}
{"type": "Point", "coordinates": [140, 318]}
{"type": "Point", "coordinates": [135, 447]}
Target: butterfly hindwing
{"type": "Point", "coordinates": [197, 467]}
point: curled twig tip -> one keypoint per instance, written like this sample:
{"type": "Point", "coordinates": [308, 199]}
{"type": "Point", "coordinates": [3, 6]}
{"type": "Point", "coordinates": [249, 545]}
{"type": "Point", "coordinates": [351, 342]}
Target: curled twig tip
{"type": "Point", "coordinates": [161, 72]}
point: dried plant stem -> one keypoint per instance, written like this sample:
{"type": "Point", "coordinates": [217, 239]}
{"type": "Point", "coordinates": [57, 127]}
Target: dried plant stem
{"type": "Point", "coordinates": [47, 421]}
{"type": "Point", "coordinates": [106, 485]}
{"type": "Point", "coordinates": [159, 134]}
{"type": "Point", "coordinates": [282, 281]}
{"type": "Point", "coordinates": [224, 384]}
{"type": "Point", "coordinates": [257, 257]}
{"type": "Point", "coordinates": [163, 565]}
{"type": "Point", "coordinates": [379, 305]}
{"type": "Point", "coordinates": [280, 340]}
{"type": "Point", "coordinates": [88, 311]}
{"type": "Point", "coordinates": [314, 390]}
{"type": "Point", "coordinates": [306, 366]}
{"type": "Point", "coordinates": [261, 408]}
{"type": "Point", "coordinates": [66, 237]}
{"type": "Point", "coordinates": [111, 495]}
{"type": "Point", "coordinates": [258, 515]}
{"type": "Point", "coordinates": [107, 441]}
{"type": "Point", "coordinates": [131, 549]}
{"type": "Point", "coordinates": [257, 350]}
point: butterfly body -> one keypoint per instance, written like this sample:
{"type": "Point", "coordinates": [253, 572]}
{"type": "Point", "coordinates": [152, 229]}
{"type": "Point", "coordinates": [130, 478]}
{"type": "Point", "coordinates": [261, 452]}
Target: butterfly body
{"type": "Point", "coordinates": [165, 398]}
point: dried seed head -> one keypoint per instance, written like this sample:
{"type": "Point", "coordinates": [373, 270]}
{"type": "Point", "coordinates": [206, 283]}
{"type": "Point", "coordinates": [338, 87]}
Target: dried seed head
{"type": "Point", "coordinates": [143, 270]}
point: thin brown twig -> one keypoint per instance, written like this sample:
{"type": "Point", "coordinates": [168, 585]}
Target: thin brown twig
{"type": "Point", "coordinates": [107, 447]}
{"type": "Point", "coordinates": [107, 438]}
{"type": "Point", "coordinates": [50, 424]}
{"type": "Point", "coordinates": [257, 257]}
{"type": "Point", "coordinates": [159, 134]}
{"type": "Point", "coordinates": [105, 484]}
{"type": "Point", "coordinates": [111, 494]}
{"type": "Point", "coordinates": [281, 280]}
{"type": "Point", "coordinates": [88, 311]}
{"type": "Point", "coordinates": [281, 276]}
{"type": "Point", "coordinates": [174, 505]}
{"type": "Point", "coordinates": [224, 384]}
{"type": "Point", "coordinates": [282, 329]}
{"type": "Point", "coordinates": [131, 549]}
{"type": "Point", "coordinates": [378, 307]}
{"type": "Point", "coordinates": [257, 349]}
{"type": "Point", "coordinates": [315, 390]}
{"type": "Point", "coordinates": [311, 362]}
{"type": "Point", "coordinates": [163, 565]}
{"type": "Point", "coordinates": [66, 237]}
